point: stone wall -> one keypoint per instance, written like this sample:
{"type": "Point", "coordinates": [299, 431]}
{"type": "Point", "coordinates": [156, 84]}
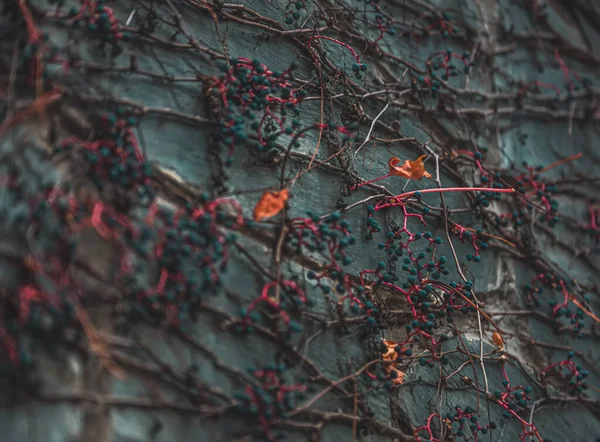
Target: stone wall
{"type": "Point", "coordinates": [142, 298]}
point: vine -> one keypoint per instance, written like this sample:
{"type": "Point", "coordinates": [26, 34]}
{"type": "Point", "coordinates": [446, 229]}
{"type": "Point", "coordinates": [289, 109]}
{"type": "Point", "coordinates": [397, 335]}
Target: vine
{"type": "Point", "coordinates": [398, 274]}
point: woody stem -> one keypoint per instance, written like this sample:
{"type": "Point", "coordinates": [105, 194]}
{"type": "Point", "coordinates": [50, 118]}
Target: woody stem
{"type": "Point", "coordinates": [370, 181]}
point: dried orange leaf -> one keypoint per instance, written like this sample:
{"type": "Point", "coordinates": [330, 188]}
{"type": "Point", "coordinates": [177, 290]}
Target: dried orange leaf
{"type": "Point", "coordinates": [497, 338]}
{"type": "Point", "coordinates": [391, 355]}
{"type": "Point", "coordinates": [399, 376]}
{"type": "Point", "coordinates": [409, 169]}
{"type": "Point", "coordinates": [270, 204]}
{"type": "Point", "coordinates": [390, 344]}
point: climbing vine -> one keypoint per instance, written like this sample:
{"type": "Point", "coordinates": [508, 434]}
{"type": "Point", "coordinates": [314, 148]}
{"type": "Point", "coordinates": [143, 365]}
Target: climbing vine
{"type": "Point", "coordinates": [407, 108]}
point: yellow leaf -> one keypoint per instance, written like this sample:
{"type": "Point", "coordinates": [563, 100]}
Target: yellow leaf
{"type": "Point", "coordinates": [270, 204]}
{"type": "Point", "coordinates": [410, 169]}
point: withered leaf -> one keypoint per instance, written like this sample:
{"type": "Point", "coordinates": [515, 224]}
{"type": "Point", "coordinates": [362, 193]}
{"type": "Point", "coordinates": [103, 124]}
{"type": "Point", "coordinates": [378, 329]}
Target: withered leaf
{"type": "Point", "coordinates": [270, 204]}
{"type": "Point", "coordinates": [414, 170]}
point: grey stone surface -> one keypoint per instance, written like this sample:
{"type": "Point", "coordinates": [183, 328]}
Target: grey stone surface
{"type": "Point", "coordinates": [179, 145]}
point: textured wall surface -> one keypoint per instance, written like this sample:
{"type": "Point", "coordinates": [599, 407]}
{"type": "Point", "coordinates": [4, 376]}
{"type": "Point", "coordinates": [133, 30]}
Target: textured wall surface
{"type": "Point", "coordinates": [142, 299]}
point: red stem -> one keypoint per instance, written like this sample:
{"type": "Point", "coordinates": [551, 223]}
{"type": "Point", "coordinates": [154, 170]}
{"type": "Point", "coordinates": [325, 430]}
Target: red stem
{"type": "Point", "coordinates": [454, 189]}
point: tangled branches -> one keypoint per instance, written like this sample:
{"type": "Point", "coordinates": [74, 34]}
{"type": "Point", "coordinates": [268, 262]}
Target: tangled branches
{"type": "Point", "coordinates": [333, 287]}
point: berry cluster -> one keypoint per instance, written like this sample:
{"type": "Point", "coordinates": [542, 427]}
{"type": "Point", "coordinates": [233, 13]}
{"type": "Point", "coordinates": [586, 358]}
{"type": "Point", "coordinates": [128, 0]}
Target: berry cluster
{"type": "Point", "coordinates": [385, 27]}
{"type": "Point", "coordinates": [114, 157]}
{"type": "Point", "coordinates": [444, 60]}
{"type": "Point", "coordinates": [431, 301]}
{"type": "Point", "coordinates": [358, 68]}
{"type": "Point", "coordinates": [530, 185]}
{"type": "Point", "coordinates": [250, 94]}
{"type": "Point", "coordinates": [486, 178]}
{"type": "Point", "coordinates": [330, 237]}
{"type": "Point", "coordinates": [99, 18]}
{"type": "Point", "coordinates": [512, 399]}
{"type": "Point", "coordinates": [293, 299]}
{"type": "Point", "coordinates": [269, 398]}
{"type": "Point", "coordinates": [39, 305]}
{"type": "Point", "coordinates": [189, 249]}
{"type": "Point", "coordinates": [459, 423]}
{"type": "Point", "coordinates": [561, 309]}
{"type": "Point", "coordinates": [293, 12]}
{"type": "Point", "coordinates": [474, 238]}
{"type": "Point", "coordinates": [574, 374]}
{"type": "Point", "coordinates": [442, 24]}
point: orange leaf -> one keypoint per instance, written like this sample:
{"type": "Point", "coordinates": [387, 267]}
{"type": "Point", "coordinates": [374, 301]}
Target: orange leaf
{"type": "Point", "coordinates": [410, 169]}
{"type": "Point", "coordinates": [270, 204]}
{"type": "Point", "coordinates": [391, 355]}
{"type": "Point", "coordinates": [399, 376]}
{"type": "Point", "coordinates": [497, 338]}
